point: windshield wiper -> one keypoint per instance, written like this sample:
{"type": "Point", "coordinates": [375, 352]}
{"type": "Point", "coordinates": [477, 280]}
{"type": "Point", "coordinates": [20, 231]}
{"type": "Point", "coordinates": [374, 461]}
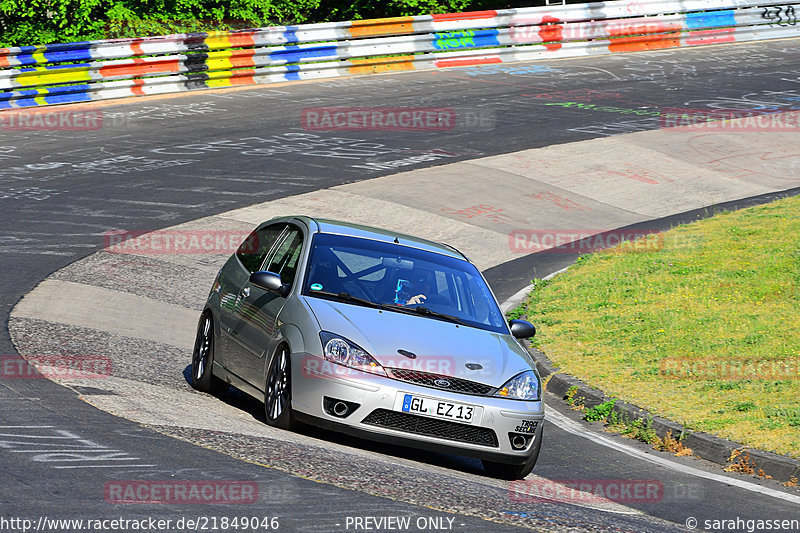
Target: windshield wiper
{"type": "Point", "coordinates": [435, 314]}
{"type": "Point", "coordinates": [419, 310]}
{"type": "Point", "coordinates": [346, 296]}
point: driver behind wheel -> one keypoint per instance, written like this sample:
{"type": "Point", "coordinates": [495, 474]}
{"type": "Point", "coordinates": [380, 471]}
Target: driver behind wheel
{"type": "Point", "coordinates": [415, 292]}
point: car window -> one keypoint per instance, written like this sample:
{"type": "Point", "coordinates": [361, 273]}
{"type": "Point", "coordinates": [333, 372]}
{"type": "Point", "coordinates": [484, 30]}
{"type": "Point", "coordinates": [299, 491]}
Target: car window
{"type": "Point", "coordinates": [257, 245]}
{"type": "Point", "coordinates": [284, 258]}
{"type": "Point", "coordinates": [360, 263]}
{"type": "Point", "coordinates": [386, 273]}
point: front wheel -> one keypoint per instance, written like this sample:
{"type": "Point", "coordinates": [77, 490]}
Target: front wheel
{"type": "Point", "coordinates": [511, 472]}
{"type": "Point", "coordinates": [278, 392]}
{"type": "Point", "coordinates": [203, 378]}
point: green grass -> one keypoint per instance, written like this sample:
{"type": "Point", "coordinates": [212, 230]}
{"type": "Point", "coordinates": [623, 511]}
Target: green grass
{"type": "Point", "coordinates": [700, 324]}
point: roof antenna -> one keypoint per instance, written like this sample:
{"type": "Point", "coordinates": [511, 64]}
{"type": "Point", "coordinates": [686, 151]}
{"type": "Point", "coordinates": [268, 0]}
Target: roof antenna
{"type": "Point", "coordinates": [396, 241]}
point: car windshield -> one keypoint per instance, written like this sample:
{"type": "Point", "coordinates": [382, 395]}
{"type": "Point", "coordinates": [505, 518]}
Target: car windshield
{"type": "Point", "coordinates": [400, 278]}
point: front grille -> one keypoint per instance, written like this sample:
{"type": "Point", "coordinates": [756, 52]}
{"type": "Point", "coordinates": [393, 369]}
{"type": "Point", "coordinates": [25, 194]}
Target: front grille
{"type": "Point", "coordinates": [430, 427]}
{"type": "Point", "coordinates": [427, 379]}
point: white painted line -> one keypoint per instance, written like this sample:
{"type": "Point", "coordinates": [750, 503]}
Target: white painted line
{"type": "Point", "coordinates": [47, 452]}
{"type": "Point", "coordinates": [516, 299]}
{"type": "Point", "coordinates": [573, 427]}
{"type": "Point", "coordinates": [68, 436]}
{"type": "Point", "coordinates": [71, 450]}
{"type": "Point", "coordinates": [520, 295]}
{"type": "Point", "coordinates": [556, 273]}
{"type": "Point", "coordinates": [104, 466]}
{"type": "Point", "coordinates": [575, 500]}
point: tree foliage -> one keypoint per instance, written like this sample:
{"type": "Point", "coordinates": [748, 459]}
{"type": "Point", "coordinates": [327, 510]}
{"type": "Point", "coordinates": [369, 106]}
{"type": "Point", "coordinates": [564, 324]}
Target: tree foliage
{"type": "Point", "coordinates": [29, 22]}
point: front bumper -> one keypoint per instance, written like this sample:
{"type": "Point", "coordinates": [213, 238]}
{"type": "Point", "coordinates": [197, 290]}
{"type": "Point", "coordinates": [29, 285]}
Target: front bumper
{"type": "Point", "coordinates": [378, 417]}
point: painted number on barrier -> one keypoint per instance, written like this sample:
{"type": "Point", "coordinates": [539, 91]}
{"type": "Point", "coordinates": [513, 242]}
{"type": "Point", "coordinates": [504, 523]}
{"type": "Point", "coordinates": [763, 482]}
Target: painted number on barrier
{"type": "Point", "coordinates": [781, 15]}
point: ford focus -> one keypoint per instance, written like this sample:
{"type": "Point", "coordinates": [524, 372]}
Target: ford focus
{"type": "Point", "coordinates": [376, 334]}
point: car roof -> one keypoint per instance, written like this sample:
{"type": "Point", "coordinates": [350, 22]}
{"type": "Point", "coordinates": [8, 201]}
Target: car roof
{"type": "Point", "coordinates": [338, 227]}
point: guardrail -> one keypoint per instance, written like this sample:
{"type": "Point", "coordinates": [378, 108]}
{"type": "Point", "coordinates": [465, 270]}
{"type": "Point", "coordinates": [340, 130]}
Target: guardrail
{"type": "Point", "coordinates": [118, 68]}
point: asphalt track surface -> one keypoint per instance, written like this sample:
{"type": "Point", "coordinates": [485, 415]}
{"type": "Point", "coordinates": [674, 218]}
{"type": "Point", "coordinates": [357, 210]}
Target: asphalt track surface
{"type": "Point", "coordinates": [159, 162]}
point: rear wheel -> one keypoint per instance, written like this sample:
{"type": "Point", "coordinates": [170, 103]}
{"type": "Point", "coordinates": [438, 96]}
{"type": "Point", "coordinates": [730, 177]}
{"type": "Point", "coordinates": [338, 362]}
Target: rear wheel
{"type": "Point", "coordinates": [278, 392]}
{"type": "Point", "coordinates": [507, 471]}
{"type": "Point", "coordinates": [203, 378]}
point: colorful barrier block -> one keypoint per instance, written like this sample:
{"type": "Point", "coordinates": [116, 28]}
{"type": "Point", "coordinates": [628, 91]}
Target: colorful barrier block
{"type": "Point", "coordinates": [118, 68]}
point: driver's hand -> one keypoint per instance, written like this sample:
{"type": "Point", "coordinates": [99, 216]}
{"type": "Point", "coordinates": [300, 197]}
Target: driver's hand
{"type": "Point", "coordinates": [416, 300]}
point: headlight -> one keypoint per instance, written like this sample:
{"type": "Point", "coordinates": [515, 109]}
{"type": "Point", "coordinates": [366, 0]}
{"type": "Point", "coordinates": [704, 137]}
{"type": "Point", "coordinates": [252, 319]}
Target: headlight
{"type": "Point", "coordinates": [344, 352]}
{"type": "Point", "coordinates": [523, 386]}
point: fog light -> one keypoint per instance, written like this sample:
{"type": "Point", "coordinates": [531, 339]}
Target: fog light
{"type": "Point", "coordinates": [519, 441]}
{"type": "Point", "coordinates": [338, 408]}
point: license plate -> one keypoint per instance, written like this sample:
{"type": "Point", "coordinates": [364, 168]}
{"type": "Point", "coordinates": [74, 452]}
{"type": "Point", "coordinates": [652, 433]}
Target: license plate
{"type": "Point", "coordinates": [457, 412]}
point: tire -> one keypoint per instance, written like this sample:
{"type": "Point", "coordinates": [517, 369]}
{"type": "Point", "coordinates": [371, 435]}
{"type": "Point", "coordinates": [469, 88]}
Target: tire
{"type": "Point", "coordinates": [511, 472]}
{"type": "Point", "coordinates": [203, 378]}
{"type": "Point", "coordinates": [278, 391]}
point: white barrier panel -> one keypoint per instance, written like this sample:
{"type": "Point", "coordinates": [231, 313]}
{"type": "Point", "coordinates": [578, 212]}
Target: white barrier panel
{"type": "Point", "coordinates": [118, 68]}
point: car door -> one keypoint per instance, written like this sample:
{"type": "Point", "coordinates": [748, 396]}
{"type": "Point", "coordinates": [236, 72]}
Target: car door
{"type": "Point", "coordinates": [234, 276]}
{"type": "Point", "coordinates": [254, 332]}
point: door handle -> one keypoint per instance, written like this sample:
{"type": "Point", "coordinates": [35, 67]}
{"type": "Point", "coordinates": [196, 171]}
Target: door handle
{"type": "Point", "coordinates": [245, 292]}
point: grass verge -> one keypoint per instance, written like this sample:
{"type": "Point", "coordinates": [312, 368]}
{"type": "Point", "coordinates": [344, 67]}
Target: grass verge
{"type": "Point", "coordinates": [700, 324]}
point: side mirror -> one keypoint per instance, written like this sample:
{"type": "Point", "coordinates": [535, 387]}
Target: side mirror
{"type": "Point", "coordinates": [522, 329]}
{"type": "Point", "coordinates": [269, 281]}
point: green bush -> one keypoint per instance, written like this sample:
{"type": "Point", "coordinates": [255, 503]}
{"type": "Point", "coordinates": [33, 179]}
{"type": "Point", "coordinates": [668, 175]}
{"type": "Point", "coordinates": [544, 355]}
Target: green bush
{"type": "Point", "coordinates": [600, 412]}
{"type": "Point", "coordinates": [642, 429]}
{"type": "Point", "coordinates": [365, 9]}
{"type": "Point", "coordinates": [30, 22]}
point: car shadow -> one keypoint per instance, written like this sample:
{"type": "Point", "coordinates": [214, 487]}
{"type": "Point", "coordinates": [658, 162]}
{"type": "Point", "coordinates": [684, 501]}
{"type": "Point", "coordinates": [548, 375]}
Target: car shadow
{"type": "Point", "coordinates": [246, 403]}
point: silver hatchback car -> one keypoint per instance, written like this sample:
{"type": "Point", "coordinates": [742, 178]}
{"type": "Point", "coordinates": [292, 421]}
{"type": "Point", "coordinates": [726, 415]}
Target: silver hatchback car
{"type": "Point", "coordinates": [376, 334]}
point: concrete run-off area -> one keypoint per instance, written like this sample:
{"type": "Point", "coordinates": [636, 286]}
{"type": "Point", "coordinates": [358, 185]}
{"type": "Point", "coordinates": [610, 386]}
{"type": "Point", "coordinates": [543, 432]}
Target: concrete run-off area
{"type": "Point", "coordinates": [139, 304]}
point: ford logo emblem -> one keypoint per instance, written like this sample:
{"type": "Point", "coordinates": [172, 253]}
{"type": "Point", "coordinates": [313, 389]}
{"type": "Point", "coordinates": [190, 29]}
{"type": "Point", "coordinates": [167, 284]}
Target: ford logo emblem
{"type": "Point", "coordinates": [441, 383]}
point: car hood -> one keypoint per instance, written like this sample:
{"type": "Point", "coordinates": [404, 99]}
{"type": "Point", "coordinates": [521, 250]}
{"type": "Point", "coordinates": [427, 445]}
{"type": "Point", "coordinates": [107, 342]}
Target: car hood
{"type": "Point", "coordinates": [440, 347]}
